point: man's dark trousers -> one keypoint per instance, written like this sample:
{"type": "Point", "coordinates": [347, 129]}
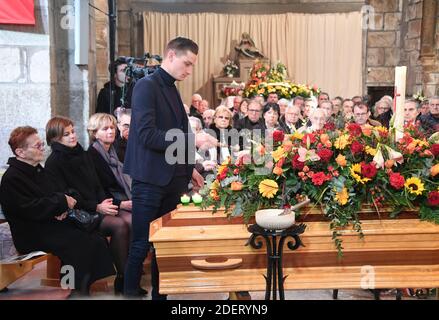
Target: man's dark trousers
{"type": "Point", "coordinates": [149, 203]}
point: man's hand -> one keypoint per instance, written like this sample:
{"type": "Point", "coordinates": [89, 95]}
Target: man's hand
{"type": "Point", "coordinates": [197, 180]}
{"type": "Point", "coordinates": [205, 141]}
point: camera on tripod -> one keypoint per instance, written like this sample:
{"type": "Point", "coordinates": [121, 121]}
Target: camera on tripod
{"type": "Point", "coordinates": [136, 69]}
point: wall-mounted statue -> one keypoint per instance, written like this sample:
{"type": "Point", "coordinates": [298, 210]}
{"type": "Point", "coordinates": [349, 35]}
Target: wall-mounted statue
{"type": "Point", "coordinates": [247, 48]}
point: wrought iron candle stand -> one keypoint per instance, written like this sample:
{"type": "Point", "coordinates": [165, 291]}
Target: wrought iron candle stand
{"type": "Point", "coordinates": [275, 278]}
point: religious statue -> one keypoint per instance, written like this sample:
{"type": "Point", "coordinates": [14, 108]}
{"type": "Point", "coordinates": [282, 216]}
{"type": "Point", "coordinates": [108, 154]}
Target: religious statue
{"type": "Point", "coordinates": [247, 47]}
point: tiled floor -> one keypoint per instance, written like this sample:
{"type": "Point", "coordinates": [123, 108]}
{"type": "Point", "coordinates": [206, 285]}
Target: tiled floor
{"type": "Point", "coordinates": [29, 288]}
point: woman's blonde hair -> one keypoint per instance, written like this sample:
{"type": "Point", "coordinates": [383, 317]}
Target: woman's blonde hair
{"type": "Point", "coordinates": [224, 109]}
{"type": "Point", "coordinates": [97, 121]}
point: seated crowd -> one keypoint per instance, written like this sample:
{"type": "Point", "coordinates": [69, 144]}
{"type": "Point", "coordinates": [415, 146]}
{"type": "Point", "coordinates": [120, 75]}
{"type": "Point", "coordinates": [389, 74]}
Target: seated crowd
{"type": "Point", "coordinates": [35, 199]}
{"type": "Point", "coordinates": [301, 115]}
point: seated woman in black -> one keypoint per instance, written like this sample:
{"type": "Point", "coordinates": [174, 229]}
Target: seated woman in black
{"type": "Point", "coordinates": [73, 169]}
{"type": "Point", "coordinates": [36, 211]}
{"type": "Point", "coordinates": [271, 115]}
{"type": "Point", "coordinates": [116, 184]}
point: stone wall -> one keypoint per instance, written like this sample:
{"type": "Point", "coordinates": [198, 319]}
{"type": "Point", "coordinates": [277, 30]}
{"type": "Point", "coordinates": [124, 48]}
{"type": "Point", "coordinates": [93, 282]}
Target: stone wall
{"type": "Point", "coordinates": [73, 86]}
{"type": "Point", "coordinates": [102, 52]}
{"type": "Point", "coordinates": [383, 42]}
{"type": "Point", "coordinates": [25, 79]}
{"type": "Point", "coordinates": [39, 78]}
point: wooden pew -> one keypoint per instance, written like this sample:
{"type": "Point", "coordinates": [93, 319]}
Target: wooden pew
{"type": "Point", "coordinates": [52, 278]}
{"type": "Point", "coordinates": [11, 272]}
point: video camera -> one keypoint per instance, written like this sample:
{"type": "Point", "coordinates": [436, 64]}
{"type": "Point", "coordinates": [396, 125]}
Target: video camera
{"type": "Point", "coordinates": [136, 72]}
{"type": "Point", "coordinates": [136, 69]}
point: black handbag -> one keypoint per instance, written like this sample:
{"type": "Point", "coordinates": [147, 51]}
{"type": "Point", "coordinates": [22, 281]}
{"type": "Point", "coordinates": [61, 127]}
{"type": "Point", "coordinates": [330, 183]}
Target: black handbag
{"type": "Point", "coordinates": [84, 220]}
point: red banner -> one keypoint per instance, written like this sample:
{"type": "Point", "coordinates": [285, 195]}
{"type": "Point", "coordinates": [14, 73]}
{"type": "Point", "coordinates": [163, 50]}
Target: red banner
{"type": "Point", "coordinates": [17, 12]}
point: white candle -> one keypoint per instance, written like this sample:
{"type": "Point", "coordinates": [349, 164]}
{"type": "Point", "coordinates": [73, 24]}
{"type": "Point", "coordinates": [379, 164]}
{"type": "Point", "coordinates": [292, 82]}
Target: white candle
{"type": "Point", "coordinates": [399, 100]}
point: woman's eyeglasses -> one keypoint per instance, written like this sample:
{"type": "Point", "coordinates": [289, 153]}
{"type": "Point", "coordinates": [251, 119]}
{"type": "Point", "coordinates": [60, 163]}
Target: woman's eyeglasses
{"type": "Point", "coordinates": [39, 146]}
{"type": "Point", "coordinates": [223, 117]}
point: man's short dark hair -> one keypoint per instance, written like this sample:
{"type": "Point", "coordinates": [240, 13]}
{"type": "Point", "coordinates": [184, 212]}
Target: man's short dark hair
{"type": "Point", "coordinates": [181, 45]}
{"type": "Point", "coordinates": [323, 94]}
{"type": "Point", "coordinates": [116, 64]}
{"type": "Point", "coordinates": [361, 105]}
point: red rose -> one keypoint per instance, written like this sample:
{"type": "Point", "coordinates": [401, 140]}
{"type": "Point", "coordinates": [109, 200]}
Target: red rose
{"type": "Point", "coordinates": [319, 178]}
{"type": "Point", "coordinates": [222, 176]}
{"type": "Point", "coordinates": [330, 126]}
{"type": "Point", "coordinates": [296, 163]}
{"type": "Point", "coordinates": [356, 147]}
{"type": "Point", "coordinates": [354, 129]}
{"type": "Point", "coordinates": [435, 149]}
{"type": "Point", "coordinates": [368, 170]}
{"type": "Point", "coordinates": [278, 136]}
{"type": "Point", "coordinates": [396, 180]}
{"type": "Point", "coordinates": [312, 138]}
{"type": "Point", "coordinates": [433, 198]}
{"type": "Point", "coordinates": [325, 154]}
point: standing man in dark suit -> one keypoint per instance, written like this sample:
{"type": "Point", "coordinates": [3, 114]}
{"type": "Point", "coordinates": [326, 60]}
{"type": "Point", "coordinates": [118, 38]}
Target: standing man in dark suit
{"type": "Point", "coordinates": [158, 183]}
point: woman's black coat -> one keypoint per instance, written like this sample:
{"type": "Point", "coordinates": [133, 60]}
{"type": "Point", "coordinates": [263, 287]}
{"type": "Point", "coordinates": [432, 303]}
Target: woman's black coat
{"type": "Point", "coordinates": [106, 177]}
{"type": "Point", "coordinates": [74, 170]}
{"type": "Point", "coordinates": [31, 201]}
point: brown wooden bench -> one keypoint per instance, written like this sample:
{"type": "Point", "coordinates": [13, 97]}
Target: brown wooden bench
{"type": "Point", "coordinates": [52, 278]}
{"type": "Point", "coordinates": [11, 272]}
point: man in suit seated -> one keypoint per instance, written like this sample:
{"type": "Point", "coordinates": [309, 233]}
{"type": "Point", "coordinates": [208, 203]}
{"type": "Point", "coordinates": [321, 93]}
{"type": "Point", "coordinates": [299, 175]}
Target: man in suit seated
{"type": "Point", "coordinates": [292, 119]}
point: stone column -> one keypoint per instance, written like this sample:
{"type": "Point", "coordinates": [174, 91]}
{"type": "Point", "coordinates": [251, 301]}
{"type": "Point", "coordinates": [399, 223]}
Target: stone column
{"type": "Point", "coordinates": [70, 83]}
{"type": "Point", "coordinates": [25, 77]}
{"type": "Point", "coordinates": [102, 51]}
{"type": "Point", "coordinates": [429, 53]}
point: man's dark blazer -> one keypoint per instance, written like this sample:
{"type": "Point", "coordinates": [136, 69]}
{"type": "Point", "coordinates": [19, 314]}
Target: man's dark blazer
{"type": "Point", "coordinates": [152, 116]}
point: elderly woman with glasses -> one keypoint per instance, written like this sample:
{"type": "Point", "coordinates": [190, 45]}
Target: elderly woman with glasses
{"type": "Point", "coordinates": [35, 207]}
{"type": "Point", "coordinates": [220, 129]}
{"type": "Point", "coordinates": [76, 171]}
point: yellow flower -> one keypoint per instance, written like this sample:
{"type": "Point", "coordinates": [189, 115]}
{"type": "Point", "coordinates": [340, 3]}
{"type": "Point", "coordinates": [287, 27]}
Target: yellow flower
{"type": "Point", "coordinates": [342, 142]}
{"type": "Point", "coordinates": [371, 151]}
{"type": "Point", "coordinates": [279, 153]}
{"type": "Point", "coordinates": [297, 135]}
{"type": "Point", "coordinates": [268, 188]}
{"type": "Point", "coordinates": [342, 196]}
{"type": "Point", "coordinates": [341, 160]}
{"type": "Point", "coordinates": [215, 185]}
{"type": "Point", "coordinates": [355, 173]}
{"type": "Point", "coordinates": [222, 168]}
{"type": "Point", "coordinates": [434, 170]}
{"type": "Point", "coordinates": [382, 130]}
{"type": "Point", "coordinates": [414, 185]}
{"type": "Point", "coordinates": [261, 91]}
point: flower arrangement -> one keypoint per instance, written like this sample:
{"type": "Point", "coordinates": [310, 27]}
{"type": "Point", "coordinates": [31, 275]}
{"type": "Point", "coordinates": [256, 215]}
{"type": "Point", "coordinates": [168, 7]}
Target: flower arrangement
{"type": "Point", "coordinates": [419, 96]}
{"type": "Point", "coordinates": [230, 68]}
{"type": "Point", "coordinates": [337, 170]}
{"type": "Point", "coordinates": [265, 80]}
{"type": "Point", "coordinates": [233, 89]}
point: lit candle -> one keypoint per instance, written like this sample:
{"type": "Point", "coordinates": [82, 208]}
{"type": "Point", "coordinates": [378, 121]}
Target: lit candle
{"type": "Point", "coordinates": [197, 199]}
{"type": "Point", "coordinates": [399, 101]}
{"type": "Point", "coordinates": [185, 199]}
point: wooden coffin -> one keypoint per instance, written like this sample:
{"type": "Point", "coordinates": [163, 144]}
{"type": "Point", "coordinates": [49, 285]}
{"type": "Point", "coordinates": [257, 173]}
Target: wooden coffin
{"type": "Point", "coordinates": [198, 251]}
